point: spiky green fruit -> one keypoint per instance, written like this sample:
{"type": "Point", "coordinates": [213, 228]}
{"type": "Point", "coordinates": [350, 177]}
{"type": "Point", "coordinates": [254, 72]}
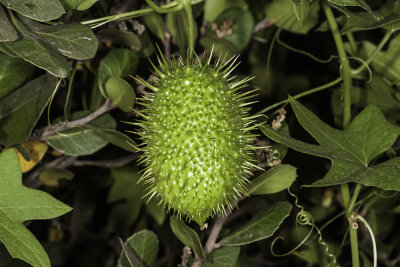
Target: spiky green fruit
{"type": "Point", "coordinates": [197, 145]}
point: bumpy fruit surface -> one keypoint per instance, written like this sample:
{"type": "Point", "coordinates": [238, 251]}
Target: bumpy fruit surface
{"type": "Point", "coordinates": [195, 131]}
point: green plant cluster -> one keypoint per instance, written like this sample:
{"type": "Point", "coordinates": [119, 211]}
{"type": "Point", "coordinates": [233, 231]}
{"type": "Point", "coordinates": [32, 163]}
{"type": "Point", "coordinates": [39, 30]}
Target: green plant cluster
{"type": "Point", "coordinates": [324, 146]}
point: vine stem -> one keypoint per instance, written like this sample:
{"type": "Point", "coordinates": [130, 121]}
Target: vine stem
{"type": "Point", "coordinates": [336, 81]}
{"type": "Point", "coordinates": [371, 233]}
{"type": "Point", "coordinates": [347, 82]}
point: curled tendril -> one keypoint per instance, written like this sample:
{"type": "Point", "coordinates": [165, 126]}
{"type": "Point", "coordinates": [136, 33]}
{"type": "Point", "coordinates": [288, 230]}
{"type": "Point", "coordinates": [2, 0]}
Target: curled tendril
{"type": "Point", "coordinates": [365, 64]}
{"type": "Point", "coordinates": [296, 50]}
{"type": "Point", "coordinates": [305, 218]}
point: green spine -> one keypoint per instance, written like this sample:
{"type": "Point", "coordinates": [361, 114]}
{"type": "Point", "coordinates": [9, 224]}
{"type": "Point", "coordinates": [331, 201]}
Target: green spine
{"type": "Point", "coordinates": [196, 140]}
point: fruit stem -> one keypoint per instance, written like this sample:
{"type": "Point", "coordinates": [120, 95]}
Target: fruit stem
{"type": "Point", "coordinates": [188, 10]}
{"type": "Point", "coordinates": [347, 82]}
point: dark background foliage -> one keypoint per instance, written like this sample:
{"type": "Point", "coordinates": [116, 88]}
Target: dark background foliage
{"type": "Point", "coordinates": [67, 86]}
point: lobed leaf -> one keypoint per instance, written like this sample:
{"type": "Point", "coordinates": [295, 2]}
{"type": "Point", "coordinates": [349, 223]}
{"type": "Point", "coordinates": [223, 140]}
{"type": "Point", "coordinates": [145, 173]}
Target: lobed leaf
{"type": "Point", "coordinates": [19, 204]}
{"type": "Point", "coordinates": [350, 150]}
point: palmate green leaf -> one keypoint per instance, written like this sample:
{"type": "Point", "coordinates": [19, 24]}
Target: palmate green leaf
{"type": "Point", "coordinates": [144, 247]}
{"type": "Point", "coordinates": [119, 62]}
{"type": "Point", "coordinates": [222, 257]}
{"type": "Point", "coordinates": [7, 31]}
{"type": "Point", "coordinates": [42, 10]}
{"type": "Point", "coordinates": [186, 235]}
{"type": "Point", "coordinates": [274, 180]}
{"type": "Point", "coordinates": [79, 141]}
{"type": "Point", "coordinates": [281, 13]}
{"type": "Point", "coordinates": [13, 72]}
{"type": "Point", "coordinates": [261, 226]}
{"type": "Point", "coordinates": [21, 109]}
{"type": "Point", "coordinates": [351, 150]}
{"type": "Point", "coordinates": [19, 204]}
{"type": "Point", "coordinates": [38, 52]}
{"type": "Point", "coordinates": [72, 40]}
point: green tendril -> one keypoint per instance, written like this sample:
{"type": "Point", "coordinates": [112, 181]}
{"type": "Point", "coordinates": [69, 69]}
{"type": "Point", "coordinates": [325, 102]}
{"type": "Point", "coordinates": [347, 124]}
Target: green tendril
{"type": "Point", "coordinates": [296, 50]}
{"type": "Point", "coordinates": [305, 218]}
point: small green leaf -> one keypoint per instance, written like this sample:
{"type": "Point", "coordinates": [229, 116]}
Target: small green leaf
{"type": "Point", "coordinates": [242, 27]}
{"type": "Point", "coordinates": [144, 246]}
{"type": "Point", "coordinates": [120, 92]}
{"type": "Point", "coordinates": [186, 235]}
{"type": "Point", "coordinates": [128, 258]}
{"type": "Point", "coordinates": [213, 8]}
{"type": "Point", "coordinates": [274, 180]}
{"type": "Point", "coordinates": [79, 141]}
{"type": "Point", "coordinates": [119, 62]}
{"type": "Point", "coordinates": [38, 52]}
{"type": "Point", "coordinates": [281, 13]}
{"type": "Point", "coordinates": [86, 4]}
{"type": "Point", "coordinates": [123, 38]}
{"type": "Point", "coordinates": [301, 9]}
{"type": "Point", "coordinates": [19, 204]}
{"type": "Point", "coordinates": [72, 40]}
{"type": "Point", "coordinates": [222, 257]}
{"type": "Point", "coordinates": [42, 10]}
{"type": "Point", "coordinates": [261, 226]}
{"type": "Point", "coordinates": [116, 138]}
{"type": "Point", "coordinates": [13, 72]}
{"type": "Point", "coordinates": [21, 109]}
{"type": "Point", "coordinates": [7, 31]}
{"type": "Point", "coordinates": [155, 24]}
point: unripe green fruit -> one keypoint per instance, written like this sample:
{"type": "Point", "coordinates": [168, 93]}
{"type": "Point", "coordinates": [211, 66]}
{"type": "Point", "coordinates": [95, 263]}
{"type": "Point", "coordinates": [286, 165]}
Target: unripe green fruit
{"type": "Point", "coordinates": [197, 145]}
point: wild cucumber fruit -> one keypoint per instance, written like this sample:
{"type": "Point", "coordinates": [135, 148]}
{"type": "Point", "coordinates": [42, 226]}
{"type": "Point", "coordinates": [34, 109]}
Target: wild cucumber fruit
{"type": "Point", "coordinates": [196, 141]}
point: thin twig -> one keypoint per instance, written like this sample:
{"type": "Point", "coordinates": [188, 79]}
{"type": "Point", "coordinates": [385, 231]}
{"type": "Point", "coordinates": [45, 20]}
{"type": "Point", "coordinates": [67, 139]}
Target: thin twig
{"type": "Point", "coordinates": [68, 161]}
{"type": "Point", "coordinates": [211, 243]}
{"type": "Point", "coordinates": [50, 130]}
